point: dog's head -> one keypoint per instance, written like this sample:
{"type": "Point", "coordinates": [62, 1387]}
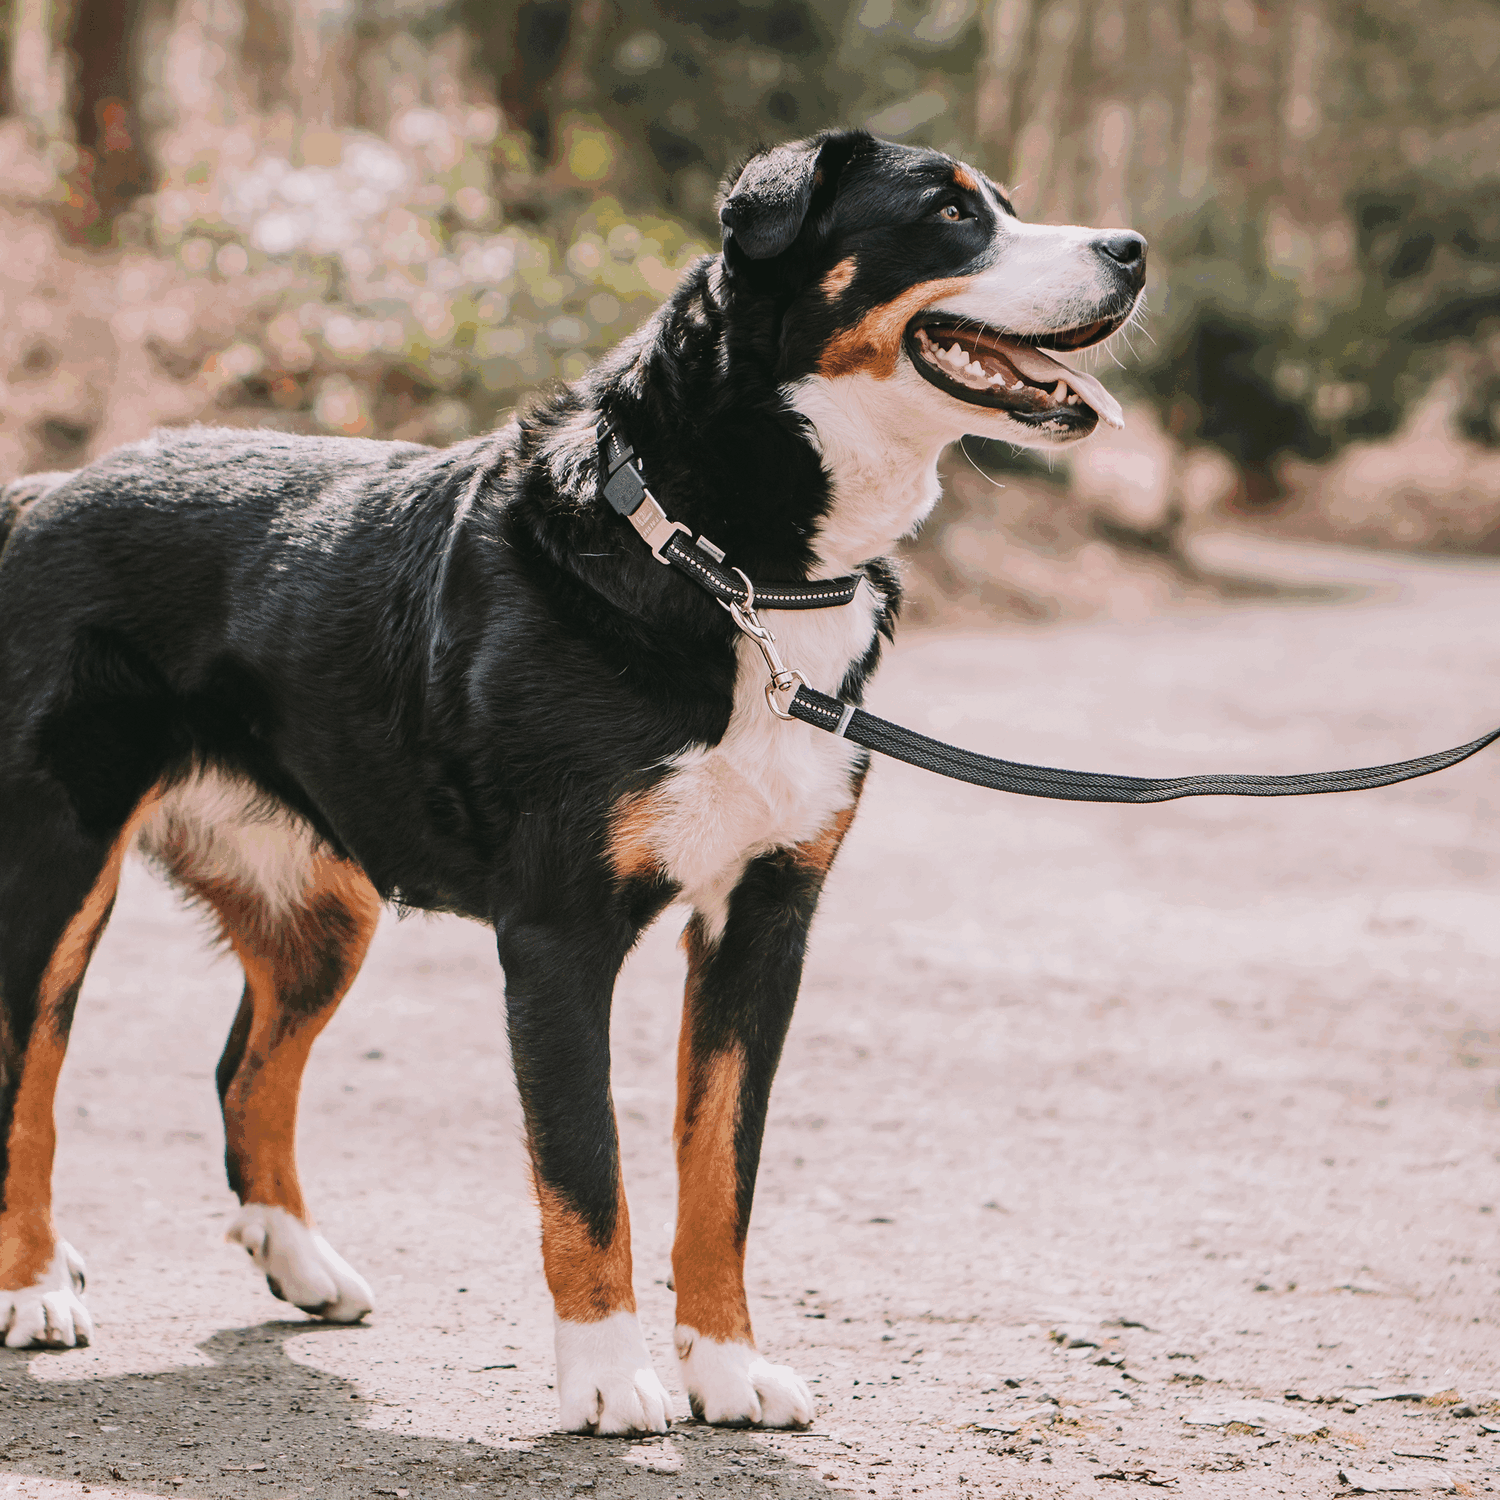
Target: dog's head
{"type": "Point", "coordinates": [902, 266]}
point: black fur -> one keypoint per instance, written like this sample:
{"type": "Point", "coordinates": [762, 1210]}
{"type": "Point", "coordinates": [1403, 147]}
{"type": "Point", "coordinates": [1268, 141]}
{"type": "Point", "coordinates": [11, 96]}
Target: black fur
{"type": "Point", "coordinates": [455, 664]}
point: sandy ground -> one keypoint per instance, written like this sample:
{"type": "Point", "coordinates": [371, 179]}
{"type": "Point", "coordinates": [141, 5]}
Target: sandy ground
{"type": "Point", "coordinates": [1211, 1088]}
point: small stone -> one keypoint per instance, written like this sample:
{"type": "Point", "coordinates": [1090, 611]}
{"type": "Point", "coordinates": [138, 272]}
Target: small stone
{"type": "Point", "coordinates": [1464, 1410]}
{"type": "Point", "coordinates": [1361, 1482]}
{"type": "Point", "coordinates": [1489, 1426]}
{"type": "Point", "coordinates": [1076, 1336]}
{"type": "Point", "coordinates": [1045, 1414]}
{"type": "Point", "coordinates": [1257, 1415]}
{"type": "Point", "coordinates": [1012, 1382]}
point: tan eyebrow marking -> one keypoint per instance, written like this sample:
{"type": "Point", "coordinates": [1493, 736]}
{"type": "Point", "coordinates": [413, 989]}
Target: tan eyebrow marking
{"type": "Point", "coordinates": [836, 282]}
{"type": "Point", "coordinates": [965, 178]}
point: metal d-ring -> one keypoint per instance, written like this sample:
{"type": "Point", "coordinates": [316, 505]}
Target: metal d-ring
{"type": "Point", "coordinates": [787, 682]}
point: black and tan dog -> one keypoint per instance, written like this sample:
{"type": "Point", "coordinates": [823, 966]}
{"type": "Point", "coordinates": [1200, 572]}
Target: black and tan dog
{"type": "Point", "coordinates": [307, 676]}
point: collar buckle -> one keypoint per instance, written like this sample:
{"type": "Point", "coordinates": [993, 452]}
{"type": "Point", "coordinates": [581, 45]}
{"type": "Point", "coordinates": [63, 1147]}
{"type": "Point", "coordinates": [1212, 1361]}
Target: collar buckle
{"type": "Point", "coordinates": [653, 527]}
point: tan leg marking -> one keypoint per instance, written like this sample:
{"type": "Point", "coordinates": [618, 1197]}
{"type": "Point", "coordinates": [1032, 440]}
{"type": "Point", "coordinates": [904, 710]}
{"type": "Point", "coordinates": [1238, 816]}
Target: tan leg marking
{"type": "Point", "coordinates": [298, 966]}
{"type": "Point", "coordinates": [27, 1238]}
{"type": "Point", "coordinates": [708, 1253]}
{"type": "Point", "coordinates": [873, 344]}
{"type": "Point", "coordinates": [818, 852]}
{"type": "Point", "coordinates": [632, 829]}
{"type": "Point", "coordinates": [836, 282]}
{"type": "Point", "coordinates": [588, 1281]}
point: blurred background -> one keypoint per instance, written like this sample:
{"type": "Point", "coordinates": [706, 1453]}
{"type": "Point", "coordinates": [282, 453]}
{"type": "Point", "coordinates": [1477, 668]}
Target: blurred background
{"type": "Point", "coordinates": [395, 217]}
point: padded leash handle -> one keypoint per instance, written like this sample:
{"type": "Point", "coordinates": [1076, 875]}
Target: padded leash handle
{"type": "Point", "coordinates": [851, 723]}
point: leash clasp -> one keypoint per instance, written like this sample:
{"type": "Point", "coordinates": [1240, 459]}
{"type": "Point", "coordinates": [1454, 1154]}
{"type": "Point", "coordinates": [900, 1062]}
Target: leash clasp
{"type": "Point", "coordinates": [783, 679]}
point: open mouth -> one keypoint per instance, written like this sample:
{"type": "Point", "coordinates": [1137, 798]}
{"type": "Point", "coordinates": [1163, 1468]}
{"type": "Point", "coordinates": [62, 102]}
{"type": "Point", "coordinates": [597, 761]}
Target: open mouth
{"type": "Point", "coordinates": [984, 367]}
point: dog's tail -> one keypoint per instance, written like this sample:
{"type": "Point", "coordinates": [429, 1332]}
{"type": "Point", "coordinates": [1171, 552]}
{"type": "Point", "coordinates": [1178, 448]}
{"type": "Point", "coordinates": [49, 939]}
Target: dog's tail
{"type": "Point", "coordinates": [17, 497]}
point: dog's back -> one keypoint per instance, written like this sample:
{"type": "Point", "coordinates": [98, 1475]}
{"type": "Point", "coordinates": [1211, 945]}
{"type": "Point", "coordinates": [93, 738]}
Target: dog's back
{"type": "Point", "coordinates": [19, 495]}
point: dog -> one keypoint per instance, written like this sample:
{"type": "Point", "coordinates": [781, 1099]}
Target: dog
{"type": "Point", "coordinates": [308, 676]}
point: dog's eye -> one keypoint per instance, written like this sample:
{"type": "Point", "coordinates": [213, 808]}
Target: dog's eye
{"type": "Point", "coordinates": [950, 213]}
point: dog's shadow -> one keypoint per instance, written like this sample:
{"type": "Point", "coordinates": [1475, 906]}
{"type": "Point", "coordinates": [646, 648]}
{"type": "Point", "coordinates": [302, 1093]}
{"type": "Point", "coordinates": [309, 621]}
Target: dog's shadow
{"type": "Point", "coordinates": [256, 1423]}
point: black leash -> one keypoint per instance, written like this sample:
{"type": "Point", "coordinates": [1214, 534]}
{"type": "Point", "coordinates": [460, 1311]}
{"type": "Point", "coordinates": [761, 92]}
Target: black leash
{"type": "Point", "coordinates": [843, 719]}
{"type": "Point", "coordinates": [621, 484]}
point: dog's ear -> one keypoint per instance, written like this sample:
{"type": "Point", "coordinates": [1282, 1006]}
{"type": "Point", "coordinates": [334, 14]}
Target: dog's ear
{"type": "Point", "coordinates": [764, 210]}
{"type": "Point", "coordinates": [763, 213]}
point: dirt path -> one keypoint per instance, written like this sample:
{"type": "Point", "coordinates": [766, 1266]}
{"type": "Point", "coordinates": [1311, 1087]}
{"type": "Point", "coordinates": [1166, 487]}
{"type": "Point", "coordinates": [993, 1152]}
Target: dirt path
{"type": "Point", "coordinates": [1215, 1085]}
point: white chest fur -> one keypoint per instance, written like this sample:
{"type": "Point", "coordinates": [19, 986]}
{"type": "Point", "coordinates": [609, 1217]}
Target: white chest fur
{"type": "Point", "coordinates": [768, 783]}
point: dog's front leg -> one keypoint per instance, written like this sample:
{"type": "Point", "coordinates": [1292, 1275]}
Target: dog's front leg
{"type": "Point", "coordinates": [741, 988]}
{"type": "Point", "coordinates": [558, 985]}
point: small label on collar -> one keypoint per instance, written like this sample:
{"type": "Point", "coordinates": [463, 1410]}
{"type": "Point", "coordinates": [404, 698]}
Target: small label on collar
{"type": "Point", "coordinates": [704, 545]}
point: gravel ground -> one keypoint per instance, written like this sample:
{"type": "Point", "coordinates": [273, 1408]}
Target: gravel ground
{"type": "Point", "coordinates": [1094, 1121]}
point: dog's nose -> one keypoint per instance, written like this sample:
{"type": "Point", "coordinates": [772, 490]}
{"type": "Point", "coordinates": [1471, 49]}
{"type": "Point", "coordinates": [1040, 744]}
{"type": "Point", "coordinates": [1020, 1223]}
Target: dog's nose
{"type": "Point", "coordinates": [1128, 251]}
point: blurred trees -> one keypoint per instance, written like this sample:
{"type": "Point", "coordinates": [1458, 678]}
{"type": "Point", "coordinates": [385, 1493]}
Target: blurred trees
{"type": "Point", "coordinates": [1319, 178]}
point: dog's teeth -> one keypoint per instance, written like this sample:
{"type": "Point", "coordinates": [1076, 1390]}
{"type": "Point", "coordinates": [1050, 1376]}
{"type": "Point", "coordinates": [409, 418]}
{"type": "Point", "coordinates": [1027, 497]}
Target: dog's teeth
{"type": "Point", "coordinates": [974, 368]}
{"type": "Point", "coordinates": [1075, 399]}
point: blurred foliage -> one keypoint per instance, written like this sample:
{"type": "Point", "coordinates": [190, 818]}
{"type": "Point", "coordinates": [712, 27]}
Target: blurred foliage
{"type": "Point", "coordinates": [429, 315]}
{"type": "Point", "coordinates": [694, 88]}
{"type": "Point", "coordinates": [396, 216]}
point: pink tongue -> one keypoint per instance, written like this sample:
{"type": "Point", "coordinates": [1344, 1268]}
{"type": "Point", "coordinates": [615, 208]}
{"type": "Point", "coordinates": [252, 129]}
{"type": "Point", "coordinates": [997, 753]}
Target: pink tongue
{"type": "Point", "coordinates": [1039, 366]}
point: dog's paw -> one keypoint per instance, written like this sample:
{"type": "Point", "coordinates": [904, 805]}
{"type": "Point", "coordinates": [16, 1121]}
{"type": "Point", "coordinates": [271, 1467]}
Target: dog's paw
{"type": "Point", "coordinates": [300, 1266]}
{"type": "Point", "coordinates": [605, 1383]}
{"type": "Point", "coordinates": [731, 1385]}
{"type": "Point", "coordinates": [50, 1314]}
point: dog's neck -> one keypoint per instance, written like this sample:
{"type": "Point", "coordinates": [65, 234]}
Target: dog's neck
{"type": "Point", "coordinates": [882, 466]}
{"type": "Point", "coordinates": [813, 476]}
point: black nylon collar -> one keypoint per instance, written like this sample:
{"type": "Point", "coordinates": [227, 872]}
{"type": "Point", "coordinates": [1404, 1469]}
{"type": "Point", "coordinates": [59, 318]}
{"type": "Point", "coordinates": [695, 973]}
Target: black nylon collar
{"type": "Point", "coordinates": [623, 488]}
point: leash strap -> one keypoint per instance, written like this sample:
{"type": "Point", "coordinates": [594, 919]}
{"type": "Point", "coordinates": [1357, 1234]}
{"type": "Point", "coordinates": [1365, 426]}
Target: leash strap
{"type": "Point", "coordinates": [851, 723]}
{"type": "Point", "coordinates": [621, 484]}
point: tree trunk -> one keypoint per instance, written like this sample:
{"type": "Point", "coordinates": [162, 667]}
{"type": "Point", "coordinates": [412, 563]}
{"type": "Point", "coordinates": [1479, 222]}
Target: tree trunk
{"type": "Point", "coordinates": [1008, 37]}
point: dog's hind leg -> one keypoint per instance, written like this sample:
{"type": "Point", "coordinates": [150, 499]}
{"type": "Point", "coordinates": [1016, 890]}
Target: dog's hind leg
{"type": "Point", "coordinates": [300, 922]}
{"type": "Point", "coordinates": [741, 989]}
{"type": "Point", "coordinates": [57, 887]}
{"type": "Point", "coordinates": [298, 965]}
{"type": "Point", "coordinates": [558, 985]}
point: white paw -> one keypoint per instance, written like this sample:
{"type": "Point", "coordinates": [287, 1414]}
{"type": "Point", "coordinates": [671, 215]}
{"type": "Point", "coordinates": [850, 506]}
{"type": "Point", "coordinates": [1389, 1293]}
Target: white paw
{"type": "Point", "coordinates": [605, 1383]}
{"type": "Point", "coordinates": [50, 1313]}
{"type": "Point", "coordinates": [300, 1266]}
{"type": "Point", "coordinates": [731, 1385]}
